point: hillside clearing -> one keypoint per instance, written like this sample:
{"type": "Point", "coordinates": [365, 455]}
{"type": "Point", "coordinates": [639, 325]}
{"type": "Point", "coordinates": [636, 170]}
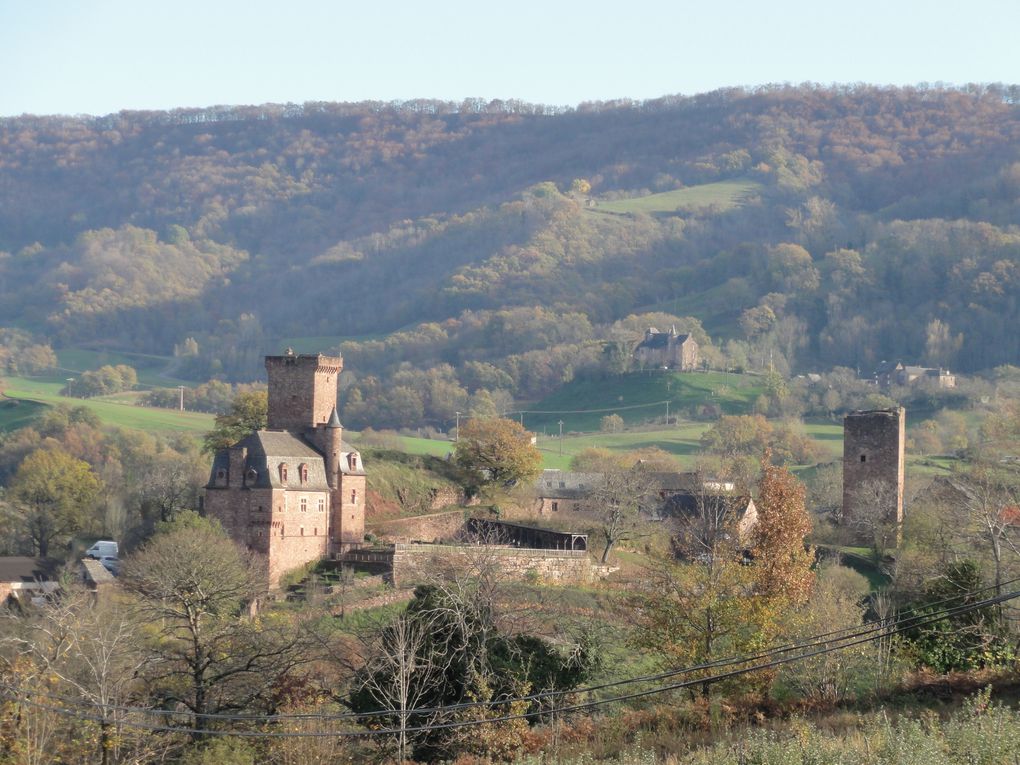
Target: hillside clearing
{"type": "Point", "coordinates": [723, 195]}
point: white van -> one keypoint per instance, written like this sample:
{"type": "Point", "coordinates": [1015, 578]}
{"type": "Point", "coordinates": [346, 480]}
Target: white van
{"type": "Point", "coordinates": [102, 548]}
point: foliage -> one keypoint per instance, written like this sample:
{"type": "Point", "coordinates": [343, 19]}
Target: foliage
{"type": "Point", "coordinates": [192, 585]}
{"type": "Point", "coordinates": [446, 649]}
{"type": "Point", "coordinates": [964, 641]}
{"type": "Point", "coordinates": [495, 453]}
{"type": "Point", "coordinates": [55, 497]}
{"type": "Point", "coordinates": [249, 412]}
{"type": "Point", "coordinates": [103, 381]}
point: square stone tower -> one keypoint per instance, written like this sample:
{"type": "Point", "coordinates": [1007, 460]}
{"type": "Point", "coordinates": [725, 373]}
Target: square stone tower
{"type": "Point", "coordinates": [302, 390]}
{"type": "Point", "coordinates": [873, 465]}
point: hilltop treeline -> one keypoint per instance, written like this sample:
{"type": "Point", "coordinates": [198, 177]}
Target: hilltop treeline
{"type": "Point", "coordinates": [880, 223]}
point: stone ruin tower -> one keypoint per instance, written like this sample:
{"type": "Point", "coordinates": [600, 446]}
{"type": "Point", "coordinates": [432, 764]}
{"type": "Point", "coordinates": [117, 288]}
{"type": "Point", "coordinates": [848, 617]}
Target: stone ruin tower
{"type": "Point", "coordinates": [294, 492]}
{"type": "Point", "coordinates": [873, 464]}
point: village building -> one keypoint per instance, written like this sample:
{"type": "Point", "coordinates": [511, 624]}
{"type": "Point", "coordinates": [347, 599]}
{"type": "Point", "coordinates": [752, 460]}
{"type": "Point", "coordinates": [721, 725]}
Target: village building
{"type": "Point", "coordinates": [667, 349]}
{"type": "Point", "coordinates": [26, 581]}
{"type": "Point", "coordinates": [295, 492]}
{"type": "Point", "coordinates": [887, 375]}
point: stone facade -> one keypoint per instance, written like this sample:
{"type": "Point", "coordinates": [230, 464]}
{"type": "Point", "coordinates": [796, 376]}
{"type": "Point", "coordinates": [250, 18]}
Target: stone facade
{"type": "Point", "coordinates": [295, 492]}
{"type": "Point", "coordinates": [432, 527]}
{"type": "Point", "coordinates": [668, 349]}
{"type": "Point", "coordinates": [412, 563]}
{"type": "Point", "coordinates": [873, 464]}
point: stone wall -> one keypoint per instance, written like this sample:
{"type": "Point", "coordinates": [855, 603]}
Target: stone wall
{"type": "Point", "coordinates": [412, 562]}
{"type": "Point", "coordinates": [426, 528]}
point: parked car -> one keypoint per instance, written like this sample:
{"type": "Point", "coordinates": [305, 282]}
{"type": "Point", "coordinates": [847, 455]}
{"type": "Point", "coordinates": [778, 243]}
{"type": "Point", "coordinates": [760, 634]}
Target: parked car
{"type": "Point", "coordinates": [111, 563]}
{"type": "Point", "coordinates": [103, 547]}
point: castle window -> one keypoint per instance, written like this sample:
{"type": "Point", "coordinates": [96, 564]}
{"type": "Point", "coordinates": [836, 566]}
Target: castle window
{"type": "Point", "coordinates": [354, 496]}
{"type": "Point", "coordinates": [322, 505]}
{"type": "Point", "coordinates": [282, 527]}
{"type": "Point", "coordinates": [864, 458]}
{"type": "Point", "coordinates": [555, 506]}
{"type": "Point", "coordinates": [303, 471]}
{"type": "Point", "coordinates": [302, 531]}
{"type": "Point", "coordinates": [283, 472]}
{"type": "Point", "coordinates": [304, 505]}
{"type": "Point", "coordinates": [221, 475]}
{"type": "Point", "coordinates": [315, 531]}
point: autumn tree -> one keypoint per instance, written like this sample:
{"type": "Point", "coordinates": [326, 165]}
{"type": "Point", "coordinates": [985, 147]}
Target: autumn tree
{"type": "Point", "coordinates": [248, 412]}
{"type": "Point", "coordinates": [615, 501]}
{"type": "Point", "coordinates": [193, 584]}
{"type": "Point", "coordinates": [495, 453]}
{"type": "Point", "coordinates": [782, 560]}
{"type": "Point", "coordinates": [54, 497]}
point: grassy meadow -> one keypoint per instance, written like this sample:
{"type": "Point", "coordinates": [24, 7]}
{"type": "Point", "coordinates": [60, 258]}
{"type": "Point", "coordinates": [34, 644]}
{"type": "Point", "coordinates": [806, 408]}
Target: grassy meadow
{"type": "Point", "coordinates": [723, 195]}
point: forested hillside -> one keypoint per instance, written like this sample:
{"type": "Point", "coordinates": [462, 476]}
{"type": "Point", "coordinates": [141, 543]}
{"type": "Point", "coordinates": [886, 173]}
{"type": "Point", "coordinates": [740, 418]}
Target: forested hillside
{"type": "Point", "coordinates": [500, 248]}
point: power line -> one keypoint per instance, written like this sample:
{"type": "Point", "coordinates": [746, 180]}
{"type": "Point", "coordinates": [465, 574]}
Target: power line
{"type": "Point", "coordinates": [902, 621]}
{"type": "Point", "coordinates": [894, 628]}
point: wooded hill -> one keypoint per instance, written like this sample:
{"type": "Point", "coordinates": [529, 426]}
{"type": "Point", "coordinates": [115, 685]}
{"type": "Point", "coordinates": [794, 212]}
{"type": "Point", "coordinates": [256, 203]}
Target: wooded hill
{"type": "Point", "coordinates": [508, 243]}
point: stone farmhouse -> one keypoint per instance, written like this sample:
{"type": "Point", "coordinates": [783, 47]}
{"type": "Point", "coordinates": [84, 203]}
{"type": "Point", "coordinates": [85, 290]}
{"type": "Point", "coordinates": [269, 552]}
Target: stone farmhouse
{"type": "Point", "coordinates": [667, 349]}
{"type": "Point", "coordinates": [888, 375]}
{"type": "Point", "coordinates": [558, 491]}
{"type": "Point", "coordinates": [294, 492]}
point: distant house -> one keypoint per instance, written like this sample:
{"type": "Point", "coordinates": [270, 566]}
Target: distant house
{"type": "Point", "coordinates": [667, 349]}
{"type": "Point", "coordinates": [887, 375]}
{"type": "Point", "coordinates": [561, 491]}
{"type": "Point", "coordinates": [24, 579]}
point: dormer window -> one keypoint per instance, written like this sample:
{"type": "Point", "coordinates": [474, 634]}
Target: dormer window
{"type": "Point", "coordinates": [283, 472]}
{"type": "Point", "coordinates": [353, 461]}
{"type": "Point", "coordinates": [252, 475]}
{"type": "Point", "coordinates": [303, 472]}
{"type": "Point", "coordinates": [221, 475]}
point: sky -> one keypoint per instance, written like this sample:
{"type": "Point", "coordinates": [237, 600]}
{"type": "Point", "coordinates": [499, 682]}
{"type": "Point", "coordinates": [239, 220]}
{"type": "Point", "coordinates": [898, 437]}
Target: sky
{"type": "Point", "coordinates": [102, 56]}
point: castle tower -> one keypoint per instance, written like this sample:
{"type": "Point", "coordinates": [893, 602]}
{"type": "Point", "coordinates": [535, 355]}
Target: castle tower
{"type": "Point", "coordinates": [873, 465]}
{"type": "Point", "coordinates": [302, 390]}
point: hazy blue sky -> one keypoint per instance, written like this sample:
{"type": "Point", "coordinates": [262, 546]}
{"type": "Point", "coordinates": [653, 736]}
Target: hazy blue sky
{"type": "Point", "coordinates": [100, 56]}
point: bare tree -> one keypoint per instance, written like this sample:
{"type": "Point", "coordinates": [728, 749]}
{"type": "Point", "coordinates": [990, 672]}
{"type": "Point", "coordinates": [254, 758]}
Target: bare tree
{"type": "Point", "coordinates": [403, 669]}
{"type": "Point", "coordinates": [193, 585]}
{"type": "Point", "coordinates": [616, 501]}
{"type": "Point", "coordinates": [872, 518]}
{"type": "Point", "coordinates": [94, 651]}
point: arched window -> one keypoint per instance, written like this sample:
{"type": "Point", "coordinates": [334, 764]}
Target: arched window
{"type": "Point", "coordinates": [283, 472]}
{"type": "Point", "coordinates": [303, 472]}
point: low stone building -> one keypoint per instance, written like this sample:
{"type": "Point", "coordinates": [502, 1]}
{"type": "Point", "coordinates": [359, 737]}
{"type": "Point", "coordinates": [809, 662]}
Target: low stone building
{"type": "Point", "coordinates": [887, 375]}
{"type": "Point", "coordinates": [294, 492]}
{"type": "Point", "coordinates": [22, 579]}
{"type": "Point", "coordinates": [667, 349]}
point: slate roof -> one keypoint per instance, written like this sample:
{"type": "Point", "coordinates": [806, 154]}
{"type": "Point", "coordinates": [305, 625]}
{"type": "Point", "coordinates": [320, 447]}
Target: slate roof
{"type": "Point", "coordinates": [565, 484]}
{"type": "Point", "coordinates": [27, 570]}
{"type": "Point", "coordinates": [267, 449]}
{"type": "Point", "coordinates": [661, 340]}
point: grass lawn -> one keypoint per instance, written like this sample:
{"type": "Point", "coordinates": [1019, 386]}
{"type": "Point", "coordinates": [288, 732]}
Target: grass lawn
{"type": "Point", "coordinates": [724, 195]}
{"type": "Point", "coordinates": [640, 397]}
{"type": "Point", "coordinates": [149, 367]}
{"type": "Point", "coordinates": [41, 392]}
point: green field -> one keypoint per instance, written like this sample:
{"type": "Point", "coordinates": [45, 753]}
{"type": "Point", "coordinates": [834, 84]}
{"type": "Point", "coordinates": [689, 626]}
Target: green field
{"type": "Point", "coordinates": [35, 393]}
{"type": "Point", "coordinates": [723, 195]}
{"type": "Point", "coordinates": [639, 397]}
{"type": "Point", "coordinates": [150, 368]}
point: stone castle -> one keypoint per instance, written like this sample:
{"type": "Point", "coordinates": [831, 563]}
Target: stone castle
{"type": "Point", "coordinates": [294, 492]}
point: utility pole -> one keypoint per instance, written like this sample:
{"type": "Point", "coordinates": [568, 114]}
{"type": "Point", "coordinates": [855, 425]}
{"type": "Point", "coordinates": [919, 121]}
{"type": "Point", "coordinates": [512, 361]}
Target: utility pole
{"type": "Point", "coordinates": [667, 413]}
{"type": "Point", "coordinates": [182, 396]}
{"type": "Point", "coordinates": [458, 425]}
{"type": "Point", "coordinates": [561, 436]}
